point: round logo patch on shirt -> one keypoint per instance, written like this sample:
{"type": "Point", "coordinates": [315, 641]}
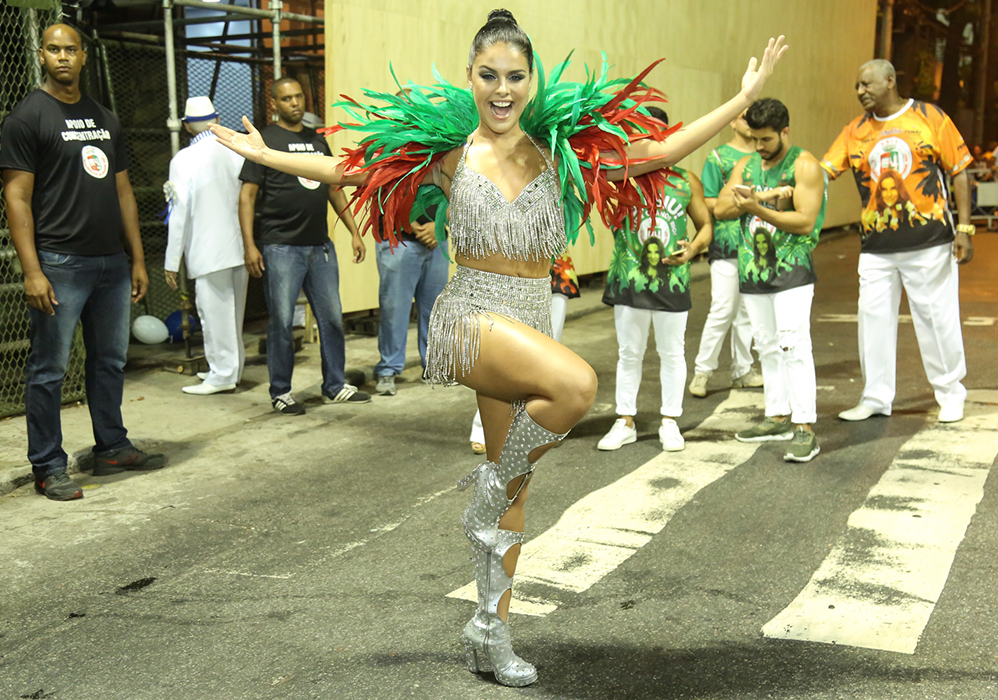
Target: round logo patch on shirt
{"type": "Point", "coordinates": [309, 184]}
{"type": "Point", "coordinates": [95, 161]}
{"type": "Point", "coordinates": [891, 153]}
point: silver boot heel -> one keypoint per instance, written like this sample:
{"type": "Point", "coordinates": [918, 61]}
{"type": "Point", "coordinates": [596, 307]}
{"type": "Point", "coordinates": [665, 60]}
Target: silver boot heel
{"type": "Point", "coordinates": [489, 502]}
{"type": "Point", "coordinates": [487, 640]}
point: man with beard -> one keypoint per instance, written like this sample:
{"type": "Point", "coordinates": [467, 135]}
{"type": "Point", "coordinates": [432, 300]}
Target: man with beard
{"type": "Point", "coordinates": [917, 251]}
{"type": "Point", "coordinates": [297, 252]}
{"type": "Point", "coordinates": [74, 224]}
{"type": "Point", "coordinates": [780, 189]}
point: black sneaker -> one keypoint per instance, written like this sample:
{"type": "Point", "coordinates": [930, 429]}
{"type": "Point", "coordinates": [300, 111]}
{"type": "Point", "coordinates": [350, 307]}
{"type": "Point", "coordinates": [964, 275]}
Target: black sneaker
{"type": "Point", "coordinates": [285, 404]}
{"type": "Point", "coordinates": [58, 487]}
{"type": "Point", "coordinates": [127, 459]}
{"type": "Point", "coordinates": [348, 394]}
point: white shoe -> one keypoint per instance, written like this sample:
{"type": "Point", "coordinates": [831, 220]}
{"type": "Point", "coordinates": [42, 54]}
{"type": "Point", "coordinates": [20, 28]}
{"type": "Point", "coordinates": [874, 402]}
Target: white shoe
{"type": "Point", "coordinates": [205, 389]}
{"type": "Point", "coordinates": [860, 412]}
{"type": "Point", "coordinates": [698, 387]}
{"type": "Point", "coordinates": [620, 434]}
{"type": "Point", "coordinates": [951, 414]}
{"type": "Point", "coordinates": [750, 380]}
{"type": "Point", "coordinates": [672, 439]}
{"type": "Point", "coordinates": [202, 376]}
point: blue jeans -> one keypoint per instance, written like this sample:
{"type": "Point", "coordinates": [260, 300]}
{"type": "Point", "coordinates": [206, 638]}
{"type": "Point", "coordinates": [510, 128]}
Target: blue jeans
{"type": "Point", "coordinates": [412, 271]}
{"type": "Point", "coordinates": [288, 269]}
{"type": "Point", "coordinates": [96, 291]}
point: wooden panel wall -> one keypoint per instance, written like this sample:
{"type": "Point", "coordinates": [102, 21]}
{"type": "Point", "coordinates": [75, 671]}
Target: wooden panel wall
{"type": "Point", "coordinates": [706, 43]}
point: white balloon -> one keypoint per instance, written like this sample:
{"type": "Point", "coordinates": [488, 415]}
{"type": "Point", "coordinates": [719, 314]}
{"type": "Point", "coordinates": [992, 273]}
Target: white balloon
{"type": "Point", "coordinates": [149, 330]}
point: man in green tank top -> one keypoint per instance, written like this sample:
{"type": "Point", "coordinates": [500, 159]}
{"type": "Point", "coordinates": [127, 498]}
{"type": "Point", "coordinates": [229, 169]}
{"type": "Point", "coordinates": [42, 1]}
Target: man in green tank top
{"type": "Point", "coordinates": [648, 286]}
{"type": "Point", "coordinates": [779, 194]}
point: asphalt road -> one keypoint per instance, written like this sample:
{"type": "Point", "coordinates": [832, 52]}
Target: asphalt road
{"type": "Point", "coordinates": [322, 557]}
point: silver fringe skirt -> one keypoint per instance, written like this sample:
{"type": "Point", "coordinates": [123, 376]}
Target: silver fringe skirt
{"type": "Point", "coordinates": [454, 338]}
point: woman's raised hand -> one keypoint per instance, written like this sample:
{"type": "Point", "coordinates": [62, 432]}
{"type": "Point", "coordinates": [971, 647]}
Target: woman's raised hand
{"type": "Point", "coordinates": [250, 145]}
{"type": "Point", "coordinates": [756, 75]}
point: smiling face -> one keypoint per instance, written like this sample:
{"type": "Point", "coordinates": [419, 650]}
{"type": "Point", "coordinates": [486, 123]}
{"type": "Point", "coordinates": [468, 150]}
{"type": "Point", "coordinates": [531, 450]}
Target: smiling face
{"type": "Point", "coordinates": [761, 243]}
{"type": "Point", "coordinates": [889, 191]}
{"type": "Point", "coordinates": [500, 84]}
{"type": "Point", "coordinates": [653, 255]}
{"type": "Point", "coordinates": [62, 54]}
{"type": "Point", "coordinates": [875, 89]}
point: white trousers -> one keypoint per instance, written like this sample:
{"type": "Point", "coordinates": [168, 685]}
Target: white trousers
{"type": "Point", "coordinates": [726, 311]}
{"type": "Point", "coordinates": [931, 280]}
{"type": "Point", "coordinates": [781, 326]}
{"type": "Point", "coordinates": [633, 326]}
{"type": "Point", "coordinates": [221, 302]}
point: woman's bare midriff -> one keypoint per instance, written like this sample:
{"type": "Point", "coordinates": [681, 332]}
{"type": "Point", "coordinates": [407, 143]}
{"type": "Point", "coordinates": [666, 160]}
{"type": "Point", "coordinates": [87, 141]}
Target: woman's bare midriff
{"type": "Point", "coordinates": [504, 266]}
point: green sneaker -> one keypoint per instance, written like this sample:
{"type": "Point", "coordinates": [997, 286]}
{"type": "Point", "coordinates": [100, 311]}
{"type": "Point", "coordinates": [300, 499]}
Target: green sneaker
{"type": "Point", "coordinates": [769, 430]}
{"type": "Point", "coordinates": [803, 447]}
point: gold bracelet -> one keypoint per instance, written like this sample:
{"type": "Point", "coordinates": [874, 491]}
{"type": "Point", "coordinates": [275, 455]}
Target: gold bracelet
{"type": "Point", "coordinates": [968, 229]}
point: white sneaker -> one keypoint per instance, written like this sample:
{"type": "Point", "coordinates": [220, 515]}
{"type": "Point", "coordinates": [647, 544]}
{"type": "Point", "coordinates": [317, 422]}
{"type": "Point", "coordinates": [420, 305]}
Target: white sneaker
{"type": "Point", "coordinates": [698, 387]}
{"type": "Point", "coordinates": [672, 439]}
{"type": "Point", "coordinates": [750, 380]}
{"type": "Point", "coordinates": [620, 434]}
{"type": "Point", "coordinates": [202, 376]}
{"type": "Point", "coordinates": [860, 412]}
{"type": "Point", "coordinates": [206, 389]}
{"type": "Point", "coordinates": [951, 414]}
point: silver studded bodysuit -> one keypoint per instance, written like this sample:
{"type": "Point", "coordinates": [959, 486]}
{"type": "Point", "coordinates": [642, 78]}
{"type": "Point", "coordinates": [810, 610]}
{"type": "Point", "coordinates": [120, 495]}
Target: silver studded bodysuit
{"type": "Point", "coordinates": [483, 222]}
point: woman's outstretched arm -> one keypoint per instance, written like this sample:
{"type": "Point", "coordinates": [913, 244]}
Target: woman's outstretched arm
{"type": "Point", "coordinates": [677, 146]}
{"type": "Point", "coordinates": [251, 147]}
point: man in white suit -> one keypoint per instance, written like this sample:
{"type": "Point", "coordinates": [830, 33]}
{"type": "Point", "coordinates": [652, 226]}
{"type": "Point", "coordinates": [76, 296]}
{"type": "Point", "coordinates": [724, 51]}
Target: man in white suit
{"type": "Point", "coordinates": [203, 192]}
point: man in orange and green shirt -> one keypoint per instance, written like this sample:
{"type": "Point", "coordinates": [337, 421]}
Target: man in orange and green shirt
{"type": "Point", "coordinates": [900, 152]}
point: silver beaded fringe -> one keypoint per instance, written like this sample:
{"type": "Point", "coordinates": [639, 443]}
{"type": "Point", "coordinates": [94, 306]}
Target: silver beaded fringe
{"type": "Point", "coordinates": [484, 223]}
{"type": "Point", "coordinates": [454, 338]}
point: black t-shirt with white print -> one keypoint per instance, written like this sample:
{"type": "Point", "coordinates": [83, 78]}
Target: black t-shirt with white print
{"type": "Point", "coordinates": [290, 210]}
{"type": "Point", "coordinates": [74, 151]}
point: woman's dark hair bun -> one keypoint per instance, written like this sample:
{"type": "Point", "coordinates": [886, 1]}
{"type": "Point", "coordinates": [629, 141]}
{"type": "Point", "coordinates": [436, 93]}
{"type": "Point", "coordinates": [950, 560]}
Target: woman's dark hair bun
{"type": "Point", "coordinates": [501, 14]}
{"type": "Point", "coordinates": [501, 27]}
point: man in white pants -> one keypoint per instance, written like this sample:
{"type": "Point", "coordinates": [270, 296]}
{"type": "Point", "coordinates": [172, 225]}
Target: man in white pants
{"type": "Point", "coordinates": [726, 307]}
{"type": "Point", "coordinates": [899, 151]}
{"type": "Point", "coordinates": [203, 192]}
{"type": "Point", "coordinates": [780, 194]}
{"type": "Point", "coordinates": [648, 286]}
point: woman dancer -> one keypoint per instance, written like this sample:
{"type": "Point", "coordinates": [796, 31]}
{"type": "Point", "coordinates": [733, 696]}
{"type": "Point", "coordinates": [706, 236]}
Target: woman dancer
{"type": "Point", "coordinates": [490, 326]}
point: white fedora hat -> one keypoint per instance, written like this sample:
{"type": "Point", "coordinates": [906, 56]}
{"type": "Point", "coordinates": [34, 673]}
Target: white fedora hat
{"type": "Point", "coordinates": [199, 109]}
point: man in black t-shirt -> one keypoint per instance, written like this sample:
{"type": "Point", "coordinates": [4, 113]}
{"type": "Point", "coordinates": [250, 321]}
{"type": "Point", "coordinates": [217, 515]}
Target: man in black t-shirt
{"type": "Point", "coordinates": [72, 218]}
{"type": "Point", "coordinates": [297, 252]}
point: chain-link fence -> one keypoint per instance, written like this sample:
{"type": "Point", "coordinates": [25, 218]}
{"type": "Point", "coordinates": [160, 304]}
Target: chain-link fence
{"type": "Point", "coordinates": [20, 73]}
{"type": "Point", "coordinates": [129, 77]}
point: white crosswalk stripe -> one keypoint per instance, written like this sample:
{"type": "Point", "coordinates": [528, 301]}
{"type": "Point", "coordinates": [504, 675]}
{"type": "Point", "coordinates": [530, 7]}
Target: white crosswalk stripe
{"type": "Point", "coordinates": [879, 585]}
{"type": "Point", "coordinates": [602, 530]}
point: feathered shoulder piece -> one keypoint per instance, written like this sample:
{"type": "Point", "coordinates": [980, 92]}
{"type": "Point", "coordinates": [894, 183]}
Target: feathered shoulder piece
{"type": "Point", "coordinates": [586, 126]}
{"type": "Point", "coordinates": [406, 134]}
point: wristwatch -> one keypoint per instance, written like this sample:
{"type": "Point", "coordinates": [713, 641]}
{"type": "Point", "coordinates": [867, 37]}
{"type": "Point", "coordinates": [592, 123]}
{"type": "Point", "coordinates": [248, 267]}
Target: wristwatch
{"type": "Point", "coordinates": [968, 229]}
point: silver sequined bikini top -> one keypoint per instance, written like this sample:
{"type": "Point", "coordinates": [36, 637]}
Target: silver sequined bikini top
{"type": "Point", "coordinates": [483, 222]}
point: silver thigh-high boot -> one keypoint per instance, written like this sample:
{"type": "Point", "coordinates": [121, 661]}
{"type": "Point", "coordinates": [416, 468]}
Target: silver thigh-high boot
{"type": "Point", "coordinates": [486, 636]}
{"type": "Point", "coordinates": [487, 641]}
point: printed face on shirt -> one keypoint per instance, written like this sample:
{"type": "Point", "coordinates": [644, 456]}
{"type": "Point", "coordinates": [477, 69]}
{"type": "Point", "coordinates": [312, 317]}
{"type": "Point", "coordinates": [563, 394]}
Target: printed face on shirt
{"type": "Point", "coordinates": [290, 102]}
{"type": "Point", "coordinates": [62, 55]}
{"type": "Point", "coordinates": [500, 84]}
